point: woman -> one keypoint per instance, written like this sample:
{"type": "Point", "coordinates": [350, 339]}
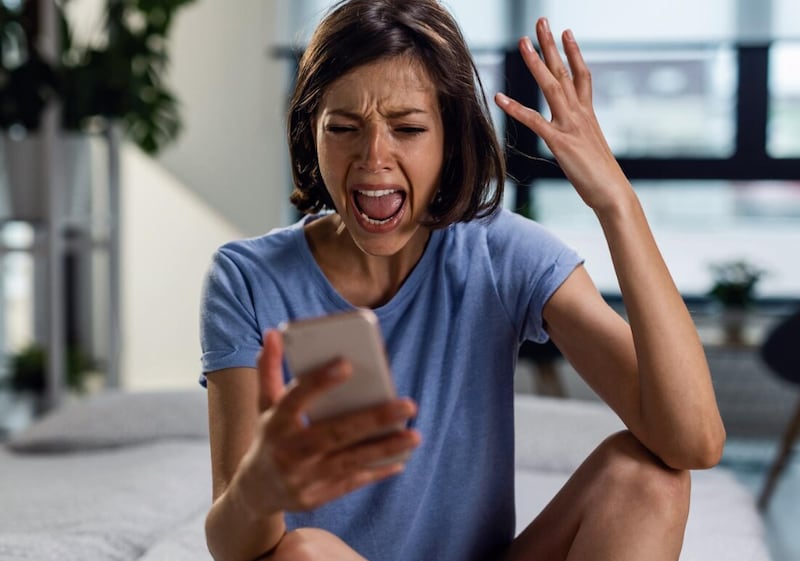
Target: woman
{"type": "Point", "coordinates": [388, 129]}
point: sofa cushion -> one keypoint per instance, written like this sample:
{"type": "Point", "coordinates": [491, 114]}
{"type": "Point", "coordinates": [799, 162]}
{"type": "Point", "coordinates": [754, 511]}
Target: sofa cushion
{"type": "Point", "coordinates": [114, 419]}
{"type": "Point", "coordinates": [555, 434]}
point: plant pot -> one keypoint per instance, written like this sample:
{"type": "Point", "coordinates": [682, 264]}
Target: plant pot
{"type": "Point", "coordinates": [733, 322]}
{"type": "Point", "coordinates": [23, 189]}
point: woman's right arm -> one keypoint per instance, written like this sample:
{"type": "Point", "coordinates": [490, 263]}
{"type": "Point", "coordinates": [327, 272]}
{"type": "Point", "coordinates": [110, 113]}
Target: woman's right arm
{"type": "Point", "coordinates": [266, 460]}
{"type": "Point", "coordinates": [234, 529]}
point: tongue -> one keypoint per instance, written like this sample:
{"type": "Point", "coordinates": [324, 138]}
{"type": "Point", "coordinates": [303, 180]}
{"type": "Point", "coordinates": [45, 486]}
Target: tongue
{"type": "Point", "coordinates": [380, 208]}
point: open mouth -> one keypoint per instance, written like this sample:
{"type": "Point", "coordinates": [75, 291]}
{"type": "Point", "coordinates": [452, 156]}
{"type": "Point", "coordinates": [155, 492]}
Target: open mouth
{"type": "Point", "coordinates": [379, 206]}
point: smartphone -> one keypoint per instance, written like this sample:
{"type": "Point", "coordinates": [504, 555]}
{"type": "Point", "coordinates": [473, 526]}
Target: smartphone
{"type": "Point", "coordinates": [355, 336]}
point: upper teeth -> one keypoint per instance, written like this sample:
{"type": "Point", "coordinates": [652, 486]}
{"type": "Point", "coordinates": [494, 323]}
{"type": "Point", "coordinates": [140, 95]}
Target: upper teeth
{"type": "Point", "coordinates": [377, 193]}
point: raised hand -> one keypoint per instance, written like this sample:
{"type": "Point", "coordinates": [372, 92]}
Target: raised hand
{"type": "Point", "coordinates": [294, 465]}
{"type": "Point", "coordinates": [573, 133]}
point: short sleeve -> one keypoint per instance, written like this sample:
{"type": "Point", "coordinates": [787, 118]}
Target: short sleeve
{"type": "Point", "coordinates": [229, 332]}
{"type": "Point", "coordinates": [529, 263]}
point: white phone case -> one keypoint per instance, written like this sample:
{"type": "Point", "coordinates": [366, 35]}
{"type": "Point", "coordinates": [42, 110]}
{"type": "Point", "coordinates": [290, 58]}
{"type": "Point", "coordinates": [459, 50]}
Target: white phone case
{"type": "Point", "coordinates": [356, 336]}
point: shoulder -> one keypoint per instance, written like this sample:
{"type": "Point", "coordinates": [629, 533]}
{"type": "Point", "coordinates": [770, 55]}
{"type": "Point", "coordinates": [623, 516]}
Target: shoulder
{"type": "Point", "coordinates": [506, 233]}
{"type": "Point", "coordinates": [505, 240]}
{"type": "Point", "coordinates": [506, 225]}
{"type": "Point", "coordinates": [260, 254]}
{"type": "Point", "coordinates": [273, 242]}
{"type": "Point", "coordinates": [500, 226]}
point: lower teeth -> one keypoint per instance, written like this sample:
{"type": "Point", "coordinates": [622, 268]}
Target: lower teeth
{"type": "Point", "coordinates": [375, 222]}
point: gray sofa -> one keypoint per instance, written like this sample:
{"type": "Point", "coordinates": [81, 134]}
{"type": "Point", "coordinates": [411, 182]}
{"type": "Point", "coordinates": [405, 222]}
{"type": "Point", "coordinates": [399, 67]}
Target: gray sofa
{"type": "Point", "coordinates": [123, 477]}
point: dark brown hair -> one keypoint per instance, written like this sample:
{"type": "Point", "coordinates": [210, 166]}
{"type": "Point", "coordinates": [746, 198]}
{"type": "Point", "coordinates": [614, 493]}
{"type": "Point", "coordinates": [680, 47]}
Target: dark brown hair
{"type": "Point", "coordinates": [357, 32]}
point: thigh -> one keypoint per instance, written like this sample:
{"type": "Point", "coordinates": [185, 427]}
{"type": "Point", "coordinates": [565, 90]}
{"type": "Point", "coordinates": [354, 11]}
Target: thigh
{"type": "Point", "coordinates": [619, 476]}
{"type": "Point", "coordinates": [313, 544]}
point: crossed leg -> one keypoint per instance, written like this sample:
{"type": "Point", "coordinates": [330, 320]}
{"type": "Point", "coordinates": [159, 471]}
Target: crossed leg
{"type": "Point", "coordinates": [621, 504]}
{"type": "Point", "coordinates": [312, 544]}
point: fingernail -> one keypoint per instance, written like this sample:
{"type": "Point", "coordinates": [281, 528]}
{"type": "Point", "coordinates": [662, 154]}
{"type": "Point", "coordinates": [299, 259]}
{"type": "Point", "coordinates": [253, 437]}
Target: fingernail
{"type": "Point", "coordinates": [527, 44]}
{"type": "Point", "coordinates": [395, 469]}
{"type": "Point", "coordinates": [568, 34]}
{"type": "Point", "coordinates": [402, 409]}
{"type": "Point", "coordinates": [545, 25]}
{"type": "Point", "coordinates": [502, 98]}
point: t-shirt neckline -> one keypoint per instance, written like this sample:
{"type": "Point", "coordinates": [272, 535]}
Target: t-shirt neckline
{"type": "Point", "coordinates": [406, 291]}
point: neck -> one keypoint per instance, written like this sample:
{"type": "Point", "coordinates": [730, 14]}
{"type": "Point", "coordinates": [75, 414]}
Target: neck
{"type": "Point", "coordinates": [363, 279]}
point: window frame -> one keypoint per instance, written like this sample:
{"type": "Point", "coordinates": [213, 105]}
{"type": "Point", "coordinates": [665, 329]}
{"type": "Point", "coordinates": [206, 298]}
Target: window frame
{"type": "Point", "coordinates": [749, 161]}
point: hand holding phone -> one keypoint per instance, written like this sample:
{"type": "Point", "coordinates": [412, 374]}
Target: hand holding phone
{"type": "Point", "coordinates": [294, 465]}
{"type": "Point", "coordinates": [354, 336]}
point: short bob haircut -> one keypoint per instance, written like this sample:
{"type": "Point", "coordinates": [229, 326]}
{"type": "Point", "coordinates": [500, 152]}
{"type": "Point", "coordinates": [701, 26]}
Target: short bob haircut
{"type": "Point", "coordinates": [358, 32]}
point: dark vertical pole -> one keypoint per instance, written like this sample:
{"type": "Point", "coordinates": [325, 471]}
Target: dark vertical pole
{"type": "Point", "coordinates": [752, 102]}
{"type": "Point", "coordinates": [521, 143]}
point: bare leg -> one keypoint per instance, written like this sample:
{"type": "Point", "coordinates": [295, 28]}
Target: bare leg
{"type": "Point", "coordinates": [622, 503]}
{"type": "Point", "coordinates": [312, 544]}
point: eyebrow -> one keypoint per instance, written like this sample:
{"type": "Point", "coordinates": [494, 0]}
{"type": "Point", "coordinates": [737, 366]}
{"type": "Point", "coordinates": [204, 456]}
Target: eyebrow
{"type": "Point", "coordinates": [396, 114]}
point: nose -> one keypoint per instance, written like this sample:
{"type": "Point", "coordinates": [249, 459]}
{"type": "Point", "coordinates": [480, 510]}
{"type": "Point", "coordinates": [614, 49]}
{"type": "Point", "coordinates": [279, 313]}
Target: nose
{"type": "Point", "coordinates": [375, 150]}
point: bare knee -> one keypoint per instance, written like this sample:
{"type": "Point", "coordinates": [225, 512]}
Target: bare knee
{"type": "Point", "coordinates": [313, 544]}
{"type": "Point", "coordinates": [632, 472]}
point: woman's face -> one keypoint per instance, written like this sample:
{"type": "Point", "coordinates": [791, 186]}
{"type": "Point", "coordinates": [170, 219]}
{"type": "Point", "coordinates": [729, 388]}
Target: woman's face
{"type": "Point", "coordinates": [380, 143]}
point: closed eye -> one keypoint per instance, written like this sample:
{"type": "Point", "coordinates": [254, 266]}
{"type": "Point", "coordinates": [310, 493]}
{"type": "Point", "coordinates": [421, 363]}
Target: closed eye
{"type": "Point", "coordinates": [339, 129]}
{"type": "Point", "coordinates": [411, 130]}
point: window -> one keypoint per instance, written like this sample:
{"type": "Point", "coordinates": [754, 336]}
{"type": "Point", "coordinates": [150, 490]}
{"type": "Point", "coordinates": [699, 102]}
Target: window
{"type": "Point", "coordinates": [634, 21]}
{"type": "Point", "coordinates": [16, 297]}
{"type": "Point", "coordinates": [785, 19]}
{"type": "Point", "coordinates": [665, 102]}
{"type": "Point", "coordinates": [783, 125]}
{"type": "Point", "coordinates": [696, 223]}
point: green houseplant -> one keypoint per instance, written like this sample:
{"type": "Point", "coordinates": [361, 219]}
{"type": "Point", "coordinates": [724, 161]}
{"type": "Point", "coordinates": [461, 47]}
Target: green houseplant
{"type": "Point", "coordinates": [735, 283]}
{"type": "Point", "coordinates": [27, 373]}
{"type": "Point", "coordinates": [121, 78]}
{"type": "Point", "coordinates": [117, 78]}
{"type": "Point", "coordinates": [27, 370]}
{"type": "Point", "coordinates": [27, 82]}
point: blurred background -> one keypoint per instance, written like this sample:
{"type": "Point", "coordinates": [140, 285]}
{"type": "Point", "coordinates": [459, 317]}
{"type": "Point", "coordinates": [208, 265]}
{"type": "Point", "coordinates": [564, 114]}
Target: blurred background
{"type": "Point", "coordinates": [137, 136]}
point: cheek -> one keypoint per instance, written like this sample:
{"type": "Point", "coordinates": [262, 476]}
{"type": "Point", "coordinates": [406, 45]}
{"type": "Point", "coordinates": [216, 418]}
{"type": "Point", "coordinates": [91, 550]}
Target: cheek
{"type": "Point", "coordinates": [429, 164]}
{"type": "Point", "coordinates": [333, 172]}
{"type": "Point", "coordinates": [327, 159]}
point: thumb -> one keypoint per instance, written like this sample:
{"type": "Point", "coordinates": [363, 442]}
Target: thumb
{"type": "Point", "coordinates": [270, 370]}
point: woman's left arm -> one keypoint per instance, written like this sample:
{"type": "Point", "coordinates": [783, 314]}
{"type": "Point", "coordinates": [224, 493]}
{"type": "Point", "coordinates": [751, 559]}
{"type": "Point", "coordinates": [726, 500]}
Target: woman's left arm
{"type": "Point", "coordinates": [652, 371]}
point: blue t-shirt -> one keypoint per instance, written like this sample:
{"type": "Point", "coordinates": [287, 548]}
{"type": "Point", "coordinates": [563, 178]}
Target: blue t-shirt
{"type": "Point", "coordinates": [452, 335]}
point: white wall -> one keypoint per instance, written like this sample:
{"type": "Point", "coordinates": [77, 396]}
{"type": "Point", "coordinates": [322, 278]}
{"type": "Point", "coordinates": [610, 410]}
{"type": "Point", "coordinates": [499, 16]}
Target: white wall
{"type": "Point", "coordinates": [226, 177]}
{"type": "Point", "coordinates": [232, 152]}
{"type": "Point", "coordinates": [168, 236]}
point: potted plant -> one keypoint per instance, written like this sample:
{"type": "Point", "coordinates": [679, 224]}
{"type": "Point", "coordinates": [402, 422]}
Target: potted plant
{"type": "Point", "coordinates": [27, 82]}
{"type": "Point", "coordinates": [27, 373]}
{"type": "Point", "coordinates": [120, 79]}
{"type": "Point", "coordinates": [734, 285]}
